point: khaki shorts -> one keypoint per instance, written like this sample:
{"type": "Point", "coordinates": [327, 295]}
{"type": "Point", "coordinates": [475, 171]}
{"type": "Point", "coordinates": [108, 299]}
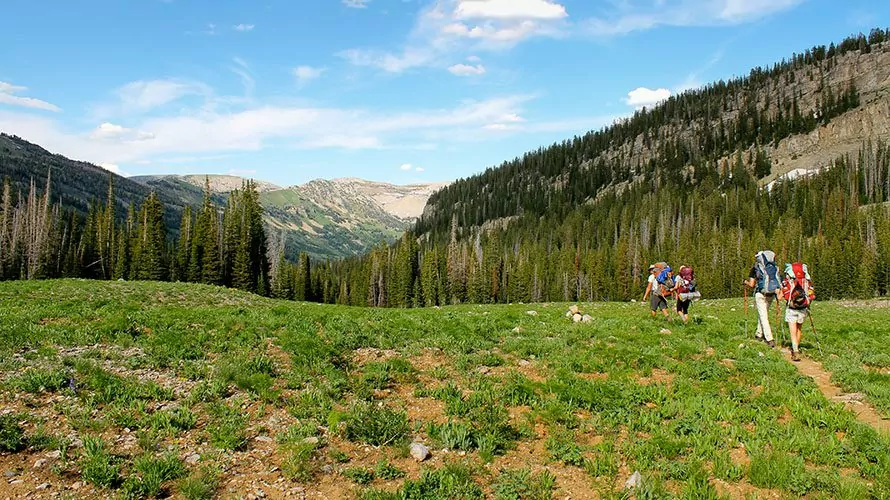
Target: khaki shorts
{"type": "Point", "coordinates": [796, 315]}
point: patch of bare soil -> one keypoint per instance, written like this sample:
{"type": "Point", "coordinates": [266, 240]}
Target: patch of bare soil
{"type": "Point", "coordinates": [854, 402]}
{"type": "Point", "coordinates": [743, 489]}
{"type": "Point", "coordinates": [658, 376]}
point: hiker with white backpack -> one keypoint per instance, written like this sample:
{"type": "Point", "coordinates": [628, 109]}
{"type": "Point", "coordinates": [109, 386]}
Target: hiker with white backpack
{"type": "Point", "coordinates": [798, 292]}
{"type": "Point", "coordinates": [765, 280]}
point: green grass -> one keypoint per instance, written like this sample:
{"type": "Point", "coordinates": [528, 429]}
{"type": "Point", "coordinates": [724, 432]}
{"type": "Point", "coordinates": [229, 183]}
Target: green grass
{"type": "Point", "coordinates": [596, 399]}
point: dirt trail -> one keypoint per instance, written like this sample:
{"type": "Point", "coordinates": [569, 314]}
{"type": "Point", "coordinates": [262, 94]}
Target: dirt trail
{"type": "Point", "coordinates": [855, 402]}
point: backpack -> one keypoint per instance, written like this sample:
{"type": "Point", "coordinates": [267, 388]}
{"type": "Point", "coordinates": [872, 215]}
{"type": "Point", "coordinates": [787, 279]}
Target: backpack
{"type": "Point", "coordinates": [768, 280]}
{"type": "Point", "coordinates": [688, 276]}
{"type": "Point", "coordinates": [665, 281]}
{"type": "Point", "coordinates": [798, 290]}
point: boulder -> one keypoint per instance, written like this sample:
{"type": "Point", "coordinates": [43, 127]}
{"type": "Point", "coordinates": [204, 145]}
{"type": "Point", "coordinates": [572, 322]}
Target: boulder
{"type": "Point", "coordinates": [574, 309]}
{"type": "Point", "coordinates": [577, 318]}
{"type": "Point", "coordinates": [586, 318]}
{"type": "Point", "coordinates": [531, 313]}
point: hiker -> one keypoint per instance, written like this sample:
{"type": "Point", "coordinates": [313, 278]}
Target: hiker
{"type": "Point", "coordinates": [798, 293]}
{"type": "Point", "coordinates": [656, 290]}
{"type": "Point", "coordinates": [764, 279]}
{"type": "Point", "coordinates": [685, 290]}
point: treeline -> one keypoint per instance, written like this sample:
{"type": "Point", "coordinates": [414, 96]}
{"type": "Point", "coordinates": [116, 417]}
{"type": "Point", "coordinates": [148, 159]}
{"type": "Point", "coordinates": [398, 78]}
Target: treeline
{"type": "Point", "coordinates": [696, 126]}
{"type": "Point", "coordinates": [836, 221]}
{"type": "Point", "coordinates": [41, 239]}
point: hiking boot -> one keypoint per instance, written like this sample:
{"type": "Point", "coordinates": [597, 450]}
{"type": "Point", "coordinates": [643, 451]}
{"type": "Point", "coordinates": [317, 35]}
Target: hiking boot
{"type": "Point", "coordinates": [771, 343]}
{"type": "Point", "coordinates": [795, 355]}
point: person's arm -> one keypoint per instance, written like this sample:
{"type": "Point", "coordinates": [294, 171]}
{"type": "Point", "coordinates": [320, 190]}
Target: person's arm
{"type": "Point", "coordinates": [648, 290]}
{"type": "Point", "coordinates": [751, 282]}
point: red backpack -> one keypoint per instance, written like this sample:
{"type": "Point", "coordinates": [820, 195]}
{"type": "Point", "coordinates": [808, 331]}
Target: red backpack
{"type": "Point", "coordinates": [798, 290]}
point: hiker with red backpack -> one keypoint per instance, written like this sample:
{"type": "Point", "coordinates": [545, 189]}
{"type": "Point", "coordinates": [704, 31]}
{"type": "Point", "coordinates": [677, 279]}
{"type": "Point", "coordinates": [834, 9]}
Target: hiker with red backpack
{"type": "Point", "coordinates": [660, 284]}
{"type": "Point", "coordinates": [765, 280]}
{"type": "Point", "coordinates": [685, 291]}
{"type": "Point", "coordinates": [798, 292]}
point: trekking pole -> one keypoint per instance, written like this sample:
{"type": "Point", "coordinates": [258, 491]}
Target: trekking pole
{"type": "Point", "coordinates": [815, 335]}
{"type": "Point", "coordinates": [745, 288]}
{"type": "Point", "coordinates": [781, 323]}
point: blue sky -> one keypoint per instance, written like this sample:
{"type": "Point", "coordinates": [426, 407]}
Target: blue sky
{"type": "Point", "coordinates": [392, 90]}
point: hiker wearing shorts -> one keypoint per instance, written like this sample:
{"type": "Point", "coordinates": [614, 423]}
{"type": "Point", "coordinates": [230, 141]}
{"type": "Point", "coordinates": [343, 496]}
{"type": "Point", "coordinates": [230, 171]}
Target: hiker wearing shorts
{"type": "Point", "coordinates": [798, 294]}
{"type": "Point", "coordinates": [764, 279]}
{"type": "Point", "coordinates": [655, 293]}
{"type": "Point", "coordinates": [681, 285]}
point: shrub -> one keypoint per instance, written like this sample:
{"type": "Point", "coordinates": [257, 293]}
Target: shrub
{"type": "Point", "coordinates": [521, 484]}
{"type": "Point", "coordinates": [98, 466]}
{"type": "Point", "coordinates": [374, 424]}
{"type": "Point", "coordinates": [12, 437]}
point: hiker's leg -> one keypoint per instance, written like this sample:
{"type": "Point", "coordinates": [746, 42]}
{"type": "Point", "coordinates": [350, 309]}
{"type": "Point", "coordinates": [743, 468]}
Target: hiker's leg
{"type": "Point", "coordinates": [763, 328]}
{"type": "Point", "coordinates": [795, 319]}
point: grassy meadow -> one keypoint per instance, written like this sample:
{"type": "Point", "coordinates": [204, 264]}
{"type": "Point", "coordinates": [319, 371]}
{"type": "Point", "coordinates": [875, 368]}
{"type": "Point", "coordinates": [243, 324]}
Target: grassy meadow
{"type": "Point", "coordinates": [142, 390]}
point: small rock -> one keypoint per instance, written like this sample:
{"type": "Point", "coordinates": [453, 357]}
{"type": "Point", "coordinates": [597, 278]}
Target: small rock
{"type": "Point", "coordinates": [16, 481]}
{"type": "Point", "coordinates": [327, 469]}
{"type": "Point", "coordinates": [263, 439]}
{"type": "Point", "coordinates": [574, 310]}
{"type": "Point", "coordinates": [40, 463]}
{"type": "Point", "coordinates": [849, 398]}
{"type": "Point", "coordinates": [586, 318]}
{"type": "Point", "coordinates": [569, 314]}
{"type": "Point", "coordinates": [10, 473]}
{"type": "Point", "coordinates": [633, 481]}
{"type": "Point", "coordinates": [193, 459]}
{"type": "Point", "coordinates": [483, 370]}
{"type": "Point", "coordinates": [77, 443]}
{"type": "Point", "coordinates": [760, 354]}
{"type": "Point", "coordinates": [419, 452]}
{"type": "Point", "coordinates": [42, 486]}
{"type": "Point", "coordinates": [577, 318]}
{"type": "Point", "coordinates": [517, 330]}
{"type": "Point", "coordinates": [531, 313]}
{"type": "Point", "coordinates": [633, 301]}
{"type": "Point", "coordinates": [733, 309]}
{"type": "Point", "coordinates": [665, 331]}
{"type": "Point", "coordinates": [524, 362]}
{"type": "Point", "coordinates": [54, 454]}
{"type": "Point", "coordinates": [76, 486]}
{"type": "Point", "coordinates": [311, 440]}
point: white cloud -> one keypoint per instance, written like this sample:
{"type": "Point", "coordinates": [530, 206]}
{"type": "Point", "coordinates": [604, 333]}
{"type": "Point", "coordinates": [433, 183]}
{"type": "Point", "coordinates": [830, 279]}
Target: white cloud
{"type": "Point", "coordinates": [110, 131]}
{"type": "Point", "coordinates": [356, 4]}
{"type": "Point", "coordinates": [509, 9]}
{"type": "Point", "coordinates": [243, 27]}
{"type": "Point", "coordinates": [305, 74]}
{"type": "Point", "coordinates": [211, 29]}
{"type": "Point", "coordinates": [467, 70]}
{"type": "Point", "coordinates": [406, 166]}
{"type": "Point", "coordinates": [418, 169]}
{"type": "Point", "coordinates": [644, 97]}
{"type": "Point", "coordinates": [243, 71]}
{"type": "Point", "coordinates": [111, 167]}
{"type": "Point", "coordinates": [638, 15]}
{"type": "Point", "coordinates": [474, 59]}
{"type": "Point", "coordinates": [450, 27]}
{"type": "Point", "coordinates": [200, 131]}
{"type": "Point", "coordinates": [7, 96]}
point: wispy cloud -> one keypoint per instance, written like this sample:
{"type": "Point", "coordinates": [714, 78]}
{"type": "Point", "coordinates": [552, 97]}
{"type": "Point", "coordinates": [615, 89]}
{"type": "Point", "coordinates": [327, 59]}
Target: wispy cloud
{"type": "Point", "coordinates": [7, 96]}
{"type": "Point", "coordinates": [467, 70]}
{"type": "Point", "coordinates": [242, 69]}
{"type": "Point", "coordinates": [243, 27]}
{"type": "Point", "coordinates": [305, 74]}
{"type": "Point", "coordinates": [628, 16]}
{"type": "Point", "coordinates": [356, 4]}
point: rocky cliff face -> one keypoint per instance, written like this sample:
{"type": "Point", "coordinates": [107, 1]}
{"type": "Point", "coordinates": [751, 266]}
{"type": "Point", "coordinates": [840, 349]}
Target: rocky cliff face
{"type": "Point", "coordinates": [869, 72]}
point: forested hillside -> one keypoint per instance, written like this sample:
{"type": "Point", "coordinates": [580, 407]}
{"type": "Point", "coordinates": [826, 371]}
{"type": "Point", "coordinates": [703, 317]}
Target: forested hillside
{"type": "Point", "coordinates": [77, 185]}
{"type": "Point", "coordinates": [682, 182]}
